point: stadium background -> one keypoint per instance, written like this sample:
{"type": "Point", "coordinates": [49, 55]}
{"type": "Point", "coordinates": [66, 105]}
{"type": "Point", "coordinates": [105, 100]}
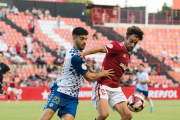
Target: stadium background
{"type": "Point", "coordinates": [36, 55]}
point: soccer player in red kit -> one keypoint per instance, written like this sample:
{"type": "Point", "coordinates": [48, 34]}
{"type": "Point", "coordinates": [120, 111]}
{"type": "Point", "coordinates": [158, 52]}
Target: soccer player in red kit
{"type": "Point", "coordinates": [106, 91]}
{"type": "Point", "coordinates": [12, 87]}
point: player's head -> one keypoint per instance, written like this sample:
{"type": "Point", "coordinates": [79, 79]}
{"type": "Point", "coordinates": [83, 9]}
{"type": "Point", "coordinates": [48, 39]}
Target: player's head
{"type": "Point", "coordinates": [141, 67]}
{"type": "Point", "coordinates": [79, 37]}
{"type": "Point", "coordinates": [1, 56]}
{"type": "Point", "coordinates": [133, 35]}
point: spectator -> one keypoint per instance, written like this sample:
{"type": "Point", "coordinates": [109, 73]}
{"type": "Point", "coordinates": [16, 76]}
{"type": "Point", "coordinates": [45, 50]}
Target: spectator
{"type": "Point", "coordinates": [1, 14]}
{"type": "Point", "coordinates": [153, 71]}
{"type": "Point", "coordinates": [57, 62]}
{"type": "Point", "coordinates": [58, 51]}
{"type": "Point", "coordinates": [132, 17]}
{"type": "Point", "coordinates": [40, 61]}
{"type": "Point", "coordinates": [34, 78]}
{"type": "Point", "coordinates": [25, 48]}
{"type": "Point", "coordinates": [156, 85]}
{"type": "Point", "coordinates": [18, 48]}
{"type": "Point", "coordinates": [145, 56]}
{"type": "Point", "coordinates": [3, 11]}
{"type": "Point", "coordinates": [41, 48]}
{"type": "Point", "coordinates": [158, 71]}
{"type": "Point", "coordinates": [15, 10]}
{"type": "Point", "coordinates": [8, 10]}
{"type": "Point", "coordinates": [42, 77]}
{"type": "Point", "coordinates": [34, 12]}
{"type": "Point", "coordinates": [39, 12]}
{"type": "Point", "coordinates": [27, 12]}
{"type": "Point", "coordinates": [47, 13]}
{"type": "Point", "coordinates": [63, 51]}
{"type": "Point", "coordinates": [34, 41]}
{"type": "Point", "coordinates": [163, 55]}
{"type": "Point", "coordinates": [171, 56]}
{"type": "Point", "coordinates": [49, 69]}
{"type": "Point", "coordinates": [23, 54]}
{"type": "Point", "coordinates": [1, 31]}
{"type": "Point", "coordinates": [58, 21]}
{"type": "Point", "coordinates": [95, 36]}
{"type": "Point", "coordinates": [131, 80]}
{"type": "Point", "coordinates": [31, 26]}
{"type": "Point", "coordinates": [7, 55]}
{"type": "Point", "coordinates": [164, 85]}
{"type": "Point", "coordinates": [10, 50]}
{"type": "Point", "coordinates": [33, 61]}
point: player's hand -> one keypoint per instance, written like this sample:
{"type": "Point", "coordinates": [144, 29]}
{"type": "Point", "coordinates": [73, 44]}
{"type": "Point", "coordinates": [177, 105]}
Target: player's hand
{"type": "Point", "coordinates": [107, 73]}
{"type": "Point", "coordinates": [80, 54]}
{"type": "Point", "coordinates": [90, 68]}
{"type": "Point", "coordinates": [5, 76]}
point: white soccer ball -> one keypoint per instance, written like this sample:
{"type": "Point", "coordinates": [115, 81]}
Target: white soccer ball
{"type": "Point", "coordinates": [136, 103]}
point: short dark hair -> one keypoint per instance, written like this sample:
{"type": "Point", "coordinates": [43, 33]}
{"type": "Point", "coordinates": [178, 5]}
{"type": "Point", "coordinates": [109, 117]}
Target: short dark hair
{"type": "Point", "coordinates": [136, 31]}
{"type": "Point", "coordinates": [1, 53]}
{"type": "Point", "coordinates": [141, 64]}
{"type": "Point", "coordinates": [79, 31]}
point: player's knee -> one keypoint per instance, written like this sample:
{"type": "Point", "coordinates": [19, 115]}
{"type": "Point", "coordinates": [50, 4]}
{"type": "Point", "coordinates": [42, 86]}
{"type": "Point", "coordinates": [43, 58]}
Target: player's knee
{"type": "Point", "coordinates": [103, 116]}
{"type": "Point", "coordinates": [127, 116]}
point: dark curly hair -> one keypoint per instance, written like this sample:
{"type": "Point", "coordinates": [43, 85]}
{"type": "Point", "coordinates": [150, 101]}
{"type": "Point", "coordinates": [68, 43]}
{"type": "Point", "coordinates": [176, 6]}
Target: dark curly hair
{"type": "Point", "coordinates": [136, 31]}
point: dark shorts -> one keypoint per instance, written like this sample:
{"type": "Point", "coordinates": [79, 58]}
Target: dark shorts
{"type": "Point", "coordinates": [145, 93]}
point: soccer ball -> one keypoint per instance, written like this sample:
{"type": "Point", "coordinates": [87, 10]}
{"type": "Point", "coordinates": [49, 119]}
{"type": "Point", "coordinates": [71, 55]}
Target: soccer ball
{"type": "Point", "coordinates": [136, 103]}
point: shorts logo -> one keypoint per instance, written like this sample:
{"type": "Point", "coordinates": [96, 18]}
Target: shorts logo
{"type": "Point", "coordinates": [110, 46]}
{"type": "Point", "coordinates": [50, 105]}
{"type": "Point", "coordinates": [84, 67]}
{"type": "Point", "coordinates": [104, 94]}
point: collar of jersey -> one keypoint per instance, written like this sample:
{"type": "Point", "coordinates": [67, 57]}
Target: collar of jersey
{"type": "Point", "coordinates": [77, 50]}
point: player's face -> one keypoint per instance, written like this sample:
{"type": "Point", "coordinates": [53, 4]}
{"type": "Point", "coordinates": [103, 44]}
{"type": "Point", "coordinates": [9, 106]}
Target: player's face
{"type": "Point", "coordinates": [131, 42]}
{"type": "Point", "coordinates": [80, 41]}
{"type": "Point", "coordinates": [1, 57]}
{"type": "Point", "coordinates": [141, 68]}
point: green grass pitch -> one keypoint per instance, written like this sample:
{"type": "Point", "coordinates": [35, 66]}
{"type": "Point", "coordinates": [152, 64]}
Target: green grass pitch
{"type": "Point", "coordinates": [32, 110]}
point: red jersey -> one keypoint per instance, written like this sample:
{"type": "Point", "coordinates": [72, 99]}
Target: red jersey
{"type": "Point", "coordinates": [117, 58]}
{"type": "Point", "coordinates": [12, 84]}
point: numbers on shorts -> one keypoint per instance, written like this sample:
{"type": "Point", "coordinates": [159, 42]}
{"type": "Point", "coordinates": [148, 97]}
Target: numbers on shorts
{"type": "Point", "coordinates": [56, 100]}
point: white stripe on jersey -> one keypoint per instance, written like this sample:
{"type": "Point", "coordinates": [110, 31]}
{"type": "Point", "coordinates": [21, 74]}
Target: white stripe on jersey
{"type": "Point", "coordinates": [142, 76]}
{"type": "Point", "coordinates": [71, 80]}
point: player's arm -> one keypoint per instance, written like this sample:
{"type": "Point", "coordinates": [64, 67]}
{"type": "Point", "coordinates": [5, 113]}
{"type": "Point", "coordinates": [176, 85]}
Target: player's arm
{"type": "Point", "coordinates": [94, 76]}
{"type": "Point", "coordinates": [94, 50]}
{"type": "Point", "coordinates": [9, 73]}
{"type": "Point", "coordinates": [83, 70]}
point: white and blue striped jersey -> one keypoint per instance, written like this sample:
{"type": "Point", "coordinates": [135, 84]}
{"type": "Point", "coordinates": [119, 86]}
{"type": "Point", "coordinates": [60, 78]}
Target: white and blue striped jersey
{"type": "Point", "coordinates": [142, 76]}
{"type": "Point", "coordinates": [73, 70]}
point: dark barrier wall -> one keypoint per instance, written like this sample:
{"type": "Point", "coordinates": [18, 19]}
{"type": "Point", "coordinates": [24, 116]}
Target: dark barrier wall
{"type": "Point", "coordinates": [72, 10]}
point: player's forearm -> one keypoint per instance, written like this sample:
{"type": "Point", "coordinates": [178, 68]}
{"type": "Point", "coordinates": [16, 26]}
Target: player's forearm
{"type": "Point", "coordinates": [145, 82]}
{"type": "Point", "coordinates": [94, 50]}
{"type": "Point", "coordinates": [95, 76]}
{"type": "Point", "coordinates": [10, 74]}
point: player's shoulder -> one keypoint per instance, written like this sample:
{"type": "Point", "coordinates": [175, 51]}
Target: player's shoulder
{"type": "Point", "coordinates": [145, 73]}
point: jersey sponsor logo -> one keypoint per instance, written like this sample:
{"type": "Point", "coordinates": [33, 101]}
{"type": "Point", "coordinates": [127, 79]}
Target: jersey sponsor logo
{"type": "Point", "coordinates": [163, 94]}
{"type": "Point", "coordinates": [110, 46]}
{"type": "Point", "coordinates": [123, 66]}
{"type": "Point", "coordinates": [51, 104]}
{"type": "Point", "coordinates": [84, 67]}
{"type": "Point", "coordinates": [121, 44]}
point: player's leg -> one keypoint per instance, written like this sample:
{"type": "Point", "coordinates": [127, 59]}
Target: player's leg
{"type": "Point", "coordinates": [118, 102]}
{"type": "Point", "coordinates": [15, 94]}
{"type": "Point", "coordinates": [100, 101]}
{"type": "Point", "coordinates": [1, 89]}
{"type": "Point", "coordinates": [123, 110]}
{"type": "Point", "coordinates": [103, 109]}
{"type": "Point", "coordinates": [51, 106]}
{"type": "Point", "coordinates": [47, 114]}
{"type": "Point", "coordinates": [68, 107]}
{"type": "Point", "coordinates": [8, 93]}
{"type": "Point", "coordinates": [149, 100]}
{"type": "Point", "coordinates": [137, 91]}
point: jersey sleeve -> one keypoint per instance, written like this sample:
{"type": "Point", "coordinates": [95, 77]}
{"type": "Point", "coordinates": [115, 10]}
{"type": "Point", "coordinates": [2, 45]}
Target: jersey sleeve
{"type": "Point", "coordinates": [79, 65]}
{"type": "Point", "coordinates": [114, 47]}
